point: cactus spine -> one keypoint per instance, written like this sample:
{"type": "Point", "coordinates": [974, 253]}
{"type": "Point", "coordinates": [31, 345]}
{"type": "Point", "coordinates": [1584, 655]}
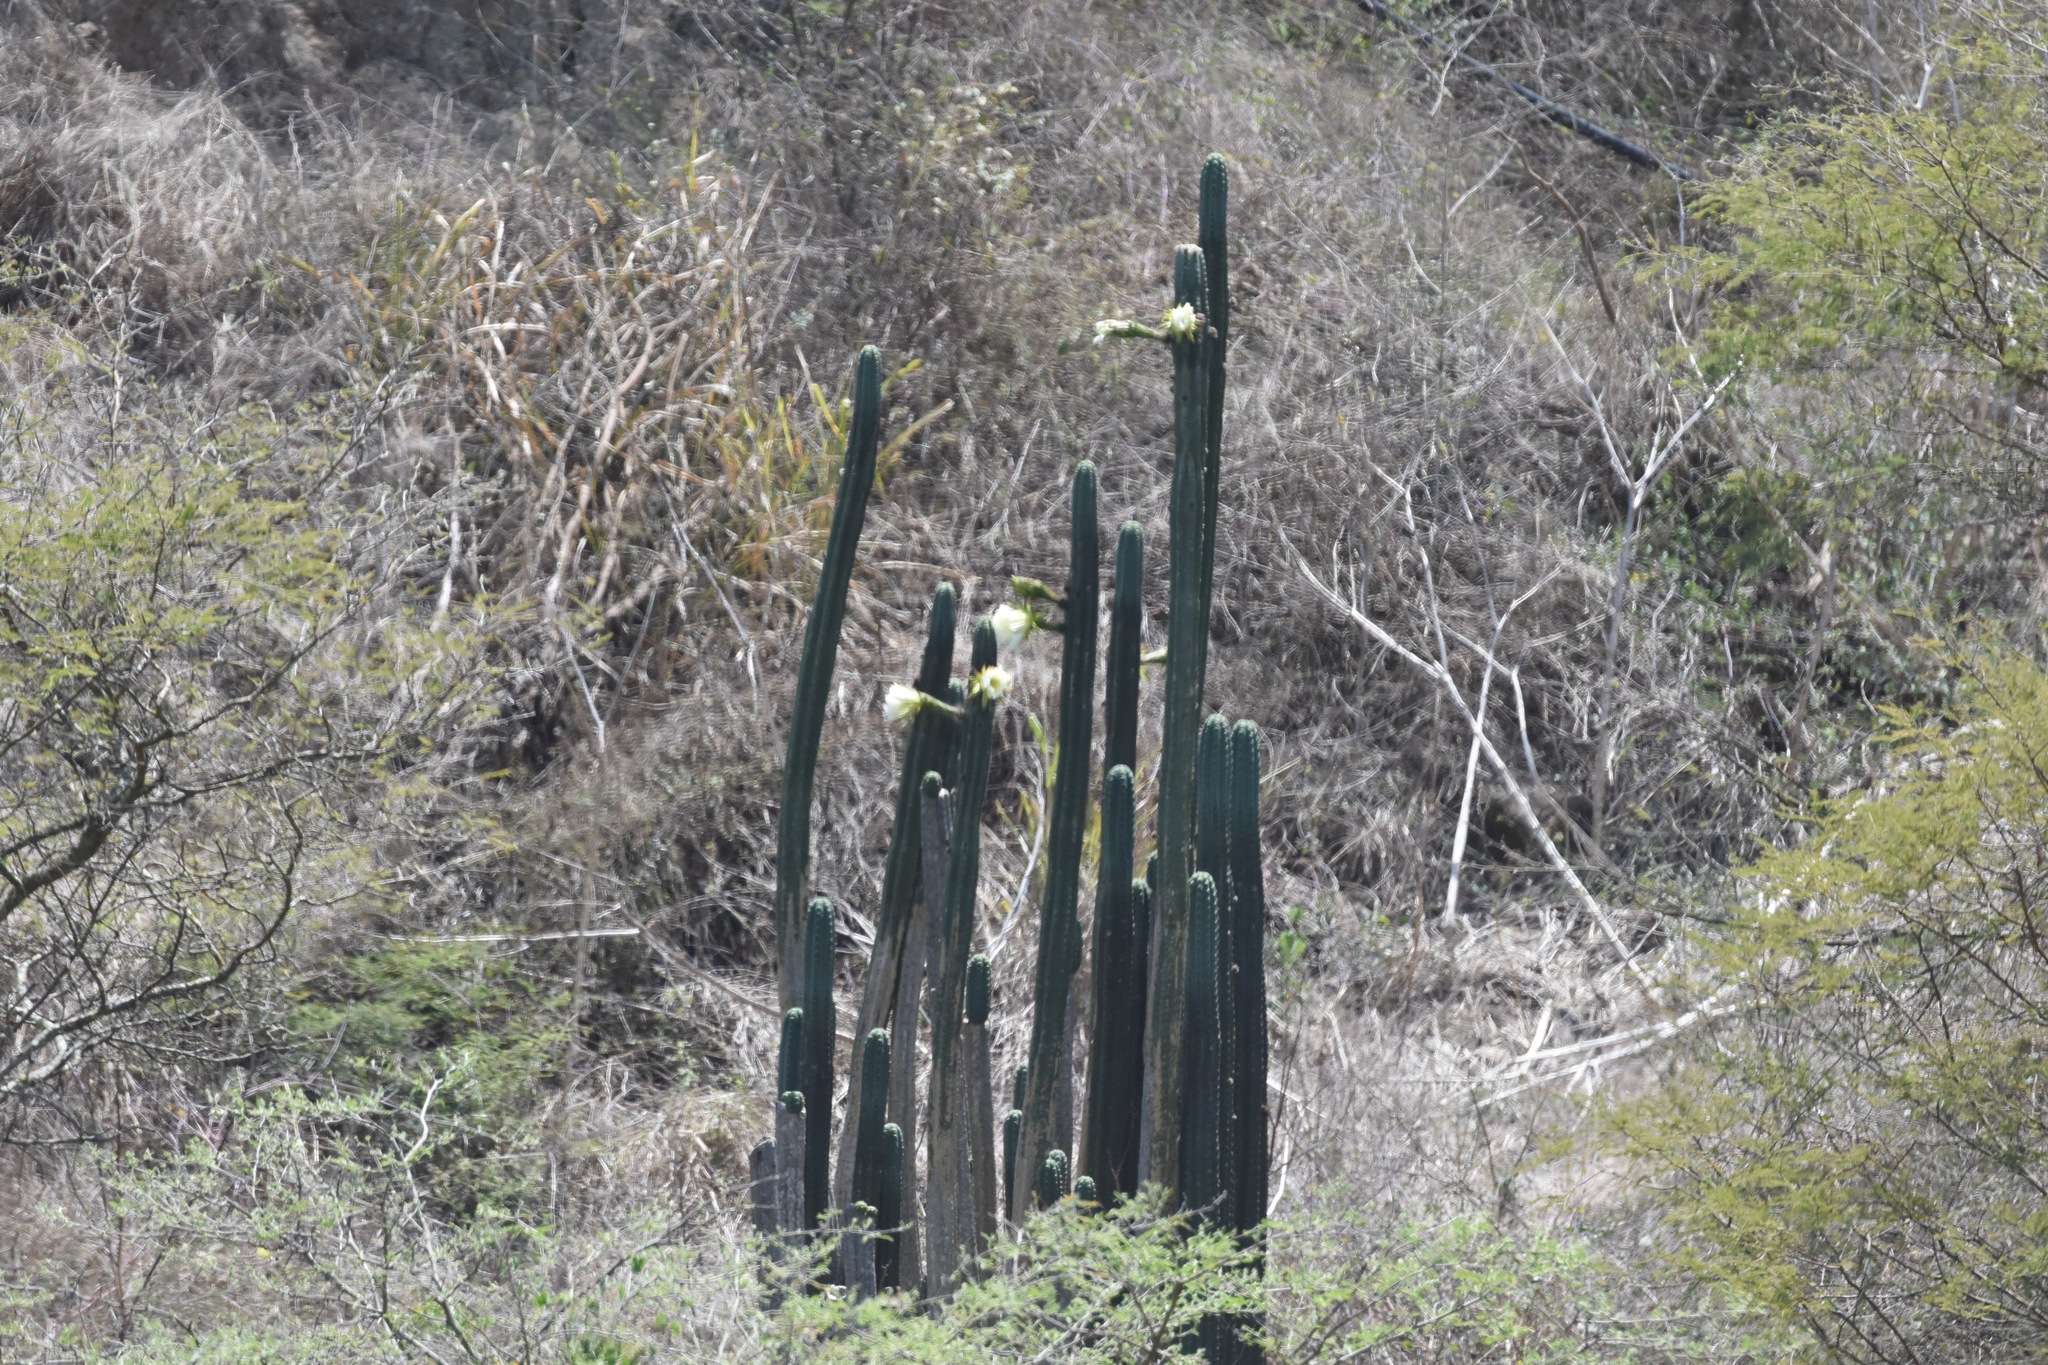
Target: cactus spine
{"type": "Point", "coordinates": [896, 964]}
{"type": "Point", "coordinates": [981, 1122]}
{"type": "Point", "coordinates": [1049, 1100]}
{"type": "Point", "coordinates": [818, 1035]}
{"type": "Point", "coordinates": [1186, 644]}
{"type": "Point", "coordinates": [814, 673]}
{"type": "Point", "coordinates": [948, 1209]}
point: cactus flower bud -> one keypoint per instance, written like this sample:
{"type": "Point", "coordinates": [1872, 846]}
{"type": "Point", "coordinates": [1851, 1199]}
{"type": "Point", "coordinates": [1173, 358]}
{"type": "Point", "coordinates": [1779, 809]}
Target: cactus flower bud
{"type": "Point", "coordinates": [1013, 625]}
{"type": "Point", "coordinates": [901, 702]}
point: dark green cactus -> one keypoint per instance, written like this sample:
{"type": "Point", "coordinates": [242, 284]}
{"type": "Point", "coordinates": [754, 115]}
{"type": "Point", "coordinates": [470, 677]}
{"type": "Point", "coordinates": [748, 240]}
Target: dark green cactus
{"type": "Point", "coordinates": [1213, 236]}
{"type": "Point", "coordinates": [1187, 637]}
{"type": "Point", "coordinates": [951, 1214]}
{"type": "Point", "coordinates": [1120, 665]}
{"type": "Point", "coordinates": [981, 1114]}
{"type": "Point", "coordinates": [1084, 1190]}
{"type": "Point", "coordinates": [1201, 1169]}
{"type": "Point", "coordinates": [819, 1039]}
{"type": "Point", "coordinates": [1248, 959]}
{"type": "Point", "coordinates": [890, 1211]}
{"type": "Point", "coordinates": [1048, 1100]}
{"type": "Point", "coordinates": [1013, 1133]}
{"type": "Point", "coordinates": [1017, 1086]}
{"type": "Point", "coordinates": [1109, 1150]}
{"type": "Point", "coordinates": [895, 965]}
{"type": "Point", "coordinates": [789, 1066]}
{"type": "Point", "coordinates": [1212, 855]}
{"type": "Point", "coordinates": [871, 1114]}
{"type": "Point", "coordinates": [814, 672]}
{"type": "Point", "coordinates": [977, 989]}
{"type": "Point", "coordinates": [1052, 1179]}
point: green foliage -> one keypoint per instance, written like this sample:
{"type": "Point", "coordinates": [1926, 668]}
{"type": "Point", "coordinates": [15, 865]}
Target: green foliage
{"type": "Point", "coordinates": [1861, 1151]}
{"type": "Point", "coordinates": [1864, 233]}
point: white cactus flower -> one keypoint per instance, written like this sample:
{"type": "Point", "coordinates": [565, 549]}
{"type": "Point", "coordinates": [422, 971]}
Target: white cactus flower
{"type": "Point", "coordinates": [901, 702]}
{"type": "Point", "coordinates": [1013, 625]}
{"type": "Point", "coordinates": [1109, 327]}
{"type": "Point", "coordinates": [1180, 322]}
{"type": "Point", "coordinates": [991, 684]}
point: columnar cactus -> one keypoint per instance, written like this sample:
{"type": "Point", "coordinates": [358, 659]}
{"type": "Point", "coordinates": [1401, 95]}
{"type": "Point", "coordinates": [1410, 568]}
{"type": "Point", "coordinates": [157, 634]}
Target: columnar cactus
{"type": "Point", "coordinates": [981, 1123]}
{"type": "Point", "coordinates": [896, 964]}
{"type": "Point", "coordinates": [1013, 1136]}
{"type": "Point", "coordinates": [1052, 1179]}
{"type": "Point", "coordinates": [1248, 962]}
{"type": "Point", "coordinates": [790, 1135]}
{"type": "Point", "coordinates": [1116, 1014]}
{"type": "Point", "coordinates": [1212, 855]}
{"type": "Point", "coordinates": [1109, 1151]}
{"type": "Point", "coordinates": [871, 1115]}
{"type": "Point", "coordinates": [814, 673]}
{"type": "Point", "coordinates": [888, 1259]}
{"type": "Point", "coordinates": [1186, 646]}
{"type": "Point", "coordinates": [1202, 1173]}
{"type": "Point", "coordinates": [1048, 1102]}
{"type": "Point", "coordinates": [1212, 234]}
{"type": "Point", "coordinates": [948, 1208]}
{"type": "Point", "coordinates": [819, 1037]}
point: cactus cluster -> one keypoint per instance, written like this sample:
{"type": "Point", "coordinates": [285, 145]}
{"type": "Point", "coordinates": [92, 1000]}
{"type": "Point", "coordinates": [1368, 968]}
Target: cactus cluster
{"type": "Point", "coordinates": [1175, 1014]}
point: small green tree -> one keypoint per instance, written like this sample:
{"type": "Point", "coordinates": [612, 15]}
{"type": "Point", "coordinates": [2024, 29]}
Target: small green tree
{"type": "Point", "coordinates": [1862, 1150]}
{"type": "Point", "coordinates": [197, 623]}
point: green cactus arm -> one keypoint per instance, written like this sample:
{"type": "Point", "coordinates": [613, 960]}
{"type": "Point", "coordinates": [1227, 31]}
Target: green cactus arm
{"type": "Point", "coordinates": [889, 965]}
{"type": "Point", "coordinates": [1052, 1179]}
{"type": "Point", "coordinates": [1212, 855]}
{"type": "Point", "coordinates": [789, 1065]}
{"type": "Point", "coordinates": [1186, 645]}
{"type": "Point", "coordinates": [1013, 1133]}
{"type": "Point", "coordinates": [1248, 954]}
{"type": "Point", "coordinates": [1201, 1173]}
{"type": "Point", "coordinates": [1213, 235]}
{"type": "Point", "coordinates": [950, 1178]}
{"type": "Point", "coordinates": [1048, 1101]}
{"type": "Point", "coordinates": [819, 1039]}
{"type": "Point", "coordinates": [1120, 665]}
{"type": "Point", "coordinates": [977, 989]}
{"type": "Point", "coordinates": [888, 1258]}
{"type": "Point", "coordinates": [869, 1117]}
{"type": "Point", "coordinates": [1116, 1001]}
{"type": "Point", "coordinates": [814, 673]}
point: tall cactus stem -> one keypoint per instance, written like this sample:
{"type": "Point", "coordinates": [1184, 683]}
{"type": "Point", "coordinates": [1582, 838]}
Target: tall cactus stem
{"type": "Point", "coordinates": [790, 1135]}
{"type": "Point", "coordinates": [814, 672]}
{"type": "Point", "coordinates": [981, 1125]}
{"type": "Point", "coordinates": [1120, 666]}
{"type": "Point", "coordinates": [1213, 236]}
{"type": "Point", "coordinates": [1212, 855]}
{"type": "Point", "coordinates": [1201, 1171]}
{"type": "Point", "coordinates": [1013, 1133]}
{"type": "Point", "coordinates": [950, 1222]}
{"type": "Point", "coordinates": [1109, 1131]}
{"type": "Point", "coordinates": [896, 963]}
{"type": "Point", "coordinates": [888, 1262]}
{"type": "Point", "coordinates": [819, 1039]}
{"type": "Point", "coordinates": [870, 1115]}
{"type": "Point", "coordinates": [1048, 1100]}
{"type": "Point", "coordinates": [1186, 645]}
{"type": "Point", "coordinates": [1248, 955]}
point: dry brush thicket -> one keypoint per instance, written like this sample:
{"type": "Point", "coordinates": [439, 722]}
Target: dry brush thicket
{"type": "Point", "coordinates": [576, 288]}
